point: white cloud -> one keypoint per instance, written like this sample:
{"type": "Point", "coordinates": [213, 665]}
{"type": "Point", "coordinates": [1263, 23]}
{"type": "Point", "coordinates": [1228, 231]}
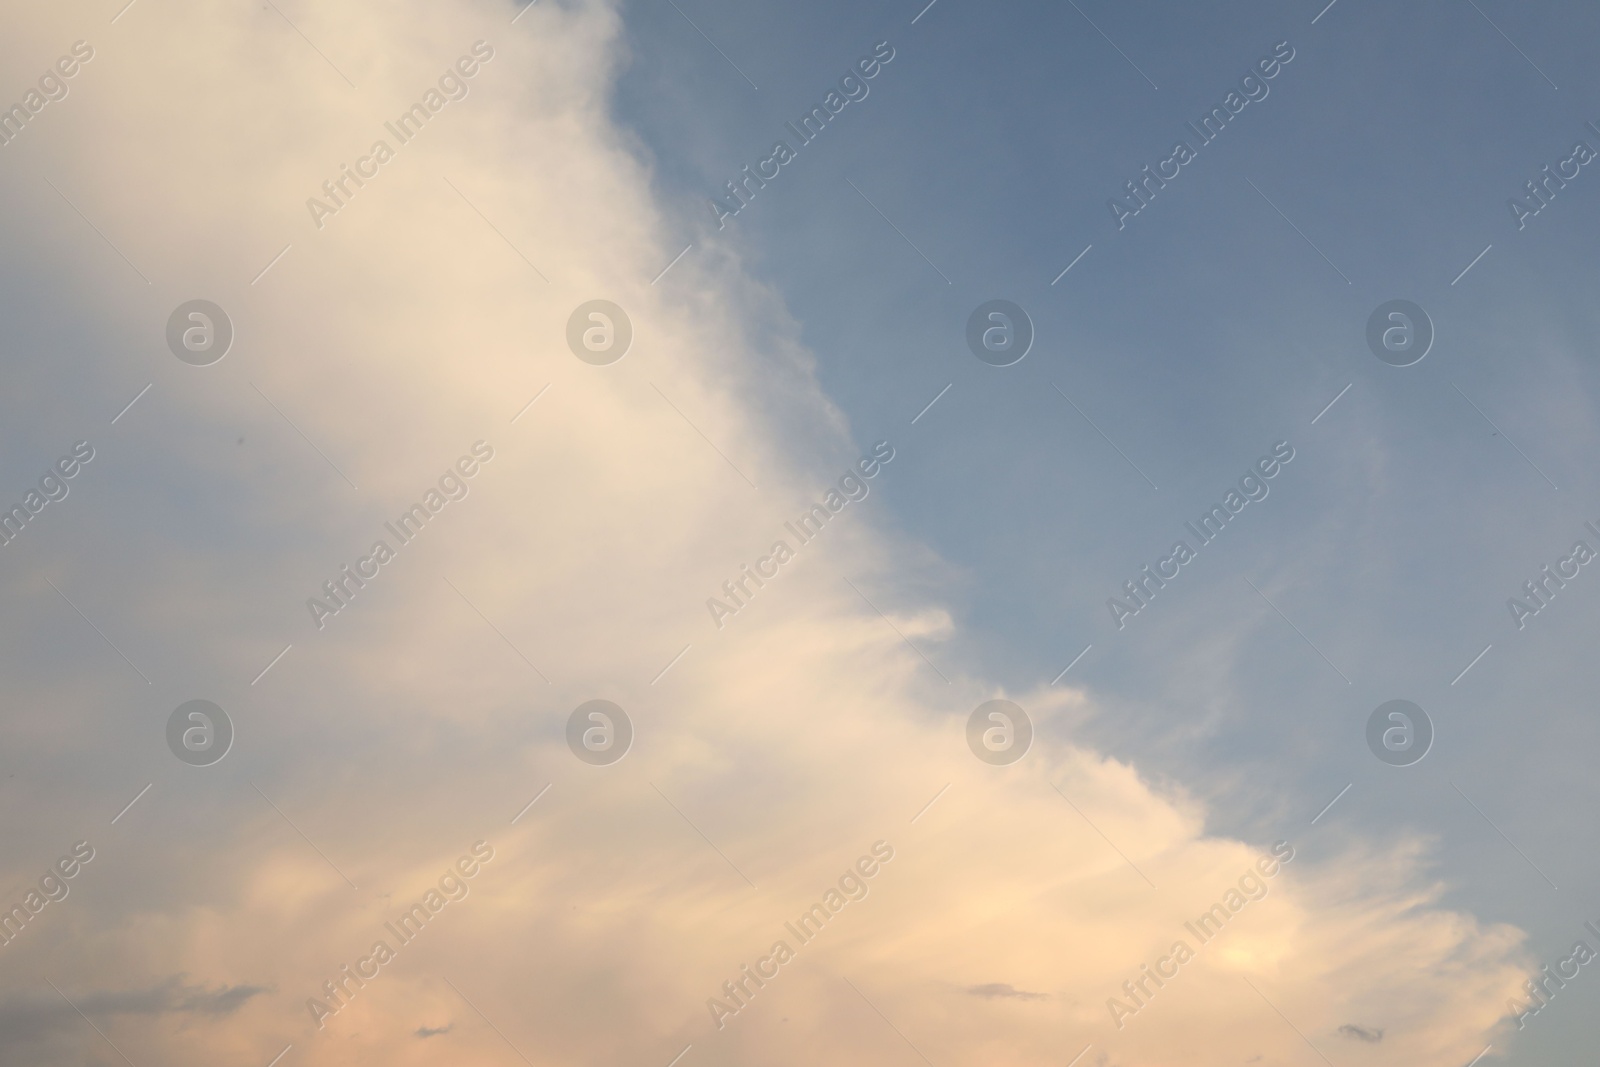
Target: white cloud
{"type": "Point", "coordinates": [792, 739]}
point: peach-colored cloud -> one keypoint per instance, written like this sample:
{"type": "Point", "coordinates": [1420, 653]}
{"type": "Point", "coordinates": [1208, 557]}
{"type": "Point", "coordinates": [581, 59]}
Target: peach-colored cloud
{"type": "Point", "coordinates": [770, 756]}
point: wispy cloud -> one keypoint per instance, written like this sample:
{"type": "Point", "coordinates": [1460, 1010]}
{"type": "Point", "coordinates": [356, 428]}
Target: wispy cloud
{"type": "Point", "coordinates": [1001, 989]}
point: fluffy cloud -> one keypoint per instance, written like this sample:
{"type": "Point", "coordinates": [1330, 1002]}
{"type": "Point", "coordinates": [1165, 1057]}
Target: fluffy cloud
{"type": "Point", "coordinates": [419, 319]}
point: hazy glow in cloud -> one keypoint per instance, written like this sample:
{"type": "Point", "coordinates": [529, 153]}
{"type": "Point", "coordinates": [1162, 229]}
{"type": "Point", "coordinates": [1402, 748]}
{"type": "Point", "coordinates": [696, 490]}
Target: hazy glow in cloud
{"type": "Point", "coordinates": [417, 319]}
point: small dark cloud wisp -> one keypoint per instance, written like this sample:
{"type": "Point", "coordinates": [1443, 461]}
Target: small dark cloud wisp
{"type": "Point", "coordinates": [1003, 989]}
{"type": "Point", "coordinates": [1361, 1033]}
{"type": "Point", "coordinates": [34, 1017]}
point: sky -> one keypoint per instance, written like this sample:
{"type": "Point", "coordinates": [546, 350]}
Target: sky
{"type": "Point", "coordinates": [400, 473]}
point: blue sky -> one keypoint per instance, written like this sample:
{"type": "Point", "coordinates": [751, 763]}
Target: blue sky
{"type": "Point", "coordinates": [1229, 315]}
{"type": "Point", "coordinates": [1195, 338]}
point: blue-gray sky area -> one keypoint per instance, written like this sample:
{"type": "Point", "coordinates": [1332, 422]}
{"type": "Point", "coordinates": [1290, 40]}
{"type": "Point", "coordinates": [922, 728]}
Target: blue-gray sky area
{"type": "Point", "coordinates": [1302, 428]}
{"type": "Point", "coordinates": [1220, 319]}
